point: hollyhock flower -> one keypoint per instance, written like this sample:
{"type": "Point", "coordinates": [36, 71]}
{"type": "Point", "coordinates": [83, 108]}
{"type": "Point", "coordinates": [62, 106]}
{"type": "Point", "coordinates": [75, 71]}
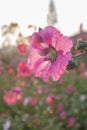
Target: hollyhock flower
{"type": "Point", "coordinates": [23, 69]}
{"type": "Point", "coordinates": [16, 89]}
{"type": "Point", "coordinates": [23, 84]}
{"type": "Point", "coordinates": [63, 115]}
{"type": "Point", "coordinates": [51, 111]}
{"type": "Point", "coordinates": [82, 67]}
{"type": "Point", "coordinates": [71, 122]}
{"type": "Point", "coordinates": [60, 107]}
{"type": "Point", "coordinates": [10, 98]}
{"type": "Point", "coordinates": [3, 115]}
{"type": "Point", "coordinates": [69, 89]}
{"type": "Point", "coordinates": [77, 52]}
{"type": "Point", "coordinates": [46, 88]}
{"type": "Point", "coordinates": [33, 101]}
{"type": "Point", "coordinates": [83, 74]}
{"type": "Point", "coordinates": [18, 92]}
{"type": "Point", "coordinates": [40, 91]}
{"type": "Point", "coordinates": [49, 99]}
{"type": "Point", "coordinates": [49, 53]}
{"type": "Point", "coordinates": [22, 48]}
{"type": "Point", "coordinates": [10, 71]}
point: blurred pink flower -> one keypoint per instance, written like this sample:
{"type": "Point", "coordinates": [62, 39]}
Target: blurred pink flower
{"type": "Point", "coordinates": [10, 98]}
{"type": "Point", "coordinates": [16, 89]}
{"type": "Point", "coordinates": [33, 101]}
{"type": "Point", "coordinates": [69, 89]}
{"type": "Point", "coordinates": [71, 122]}
{"type": "Point", "coordinates": [18, 92]}
{"type": "Point", "coordinates": [51, 111]}
{"type": "Point", "coordinates": [83, 74]}
{"type": "Point", "coordinates": [3, 115]}
{"type": "Point", "coordinates": [60, 107]}
{"type": "Point", "coordinates": [77, 52]}
{"type": "Point", "coordinates": [46, 88]}
{"type": "Point", "coordinates": [23, 83]}
{"type": "Point", "coordinates": [82, 67]}
{"type": "Point", "coordinates": [22, 48]}
{"type": "Point", "coordinates": [63, 115]}
{"type": "Point", "coordinates": [40, 91]}
{"type": "Point", "coordinates": [49, 99]}
{"type": "Point", "coordinates": [23, 69]}
{"type": "Point", "coordinates": [10, 71]}
{"type": "Point", "coordinates": [49, 53]}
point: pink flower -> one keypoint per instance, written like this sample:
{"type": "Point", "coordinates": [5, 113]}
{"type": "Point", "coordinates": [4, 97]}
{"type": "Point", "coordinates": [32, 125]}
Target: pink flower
{"type": "Point", "coordinates": [33, 101]}
{"type": "Point", "coordinates": [82, 67]}
{"type": "Point", "coordinates": [39, 91]}
{"type": "Point", "coordinates": [83, 74]}
{"type": "Point", "coordinates": [23, 83]}
{"type": "Point", "coordinates": [16, 89]}
{"type": "Point", "coordinates": [23, 69]}
{"type": "Point", "coordinates": [49, 99]}
{"type": "Point", "coordinates": [71, 122]}
{"type": "Point", "coordinates": [10, 98]}
{"type": "Point", "coordinates": [22, 48]}
{"type": "Point", "coordinates": [10, 71]}
{"type": "Point", "coordinates": [69, 89]}
{"type": "Point", "coordinates": [63, 115]}
{"type": "Point", "coordinates": [3, 115]}
{"type": "Point", "coordinates": [49, 53]}
{"type": "Point", "coordinates": [60, 107]}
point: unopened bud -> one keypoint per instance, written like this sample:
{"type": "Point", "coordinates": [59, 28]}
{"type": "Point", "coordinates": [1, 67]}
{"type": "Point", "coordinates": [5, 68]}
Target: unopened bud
{"type": "Point", "coordinates": [81, 45]}
{"type": "Point", "coordinates": [72, 64]}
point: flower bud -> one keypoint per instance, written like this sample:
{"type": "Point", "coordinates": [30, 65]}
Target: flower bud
{"type": "Point", "coordinates": [81, 45]}
{"type": "Point", "coordinates": [72, 64]}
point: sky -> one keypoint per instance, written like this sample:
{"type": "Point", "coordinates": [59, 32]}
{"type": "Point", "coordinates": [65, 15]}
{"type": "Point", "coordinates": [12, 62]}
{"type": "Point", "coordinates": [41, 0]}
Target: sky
{"type": "Point", "coordinates": [71, 13]}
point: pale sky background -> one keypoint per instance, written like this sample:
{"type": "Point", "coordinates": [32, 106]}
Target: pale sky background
{"type": "Point", "coordinates": [70, 13]}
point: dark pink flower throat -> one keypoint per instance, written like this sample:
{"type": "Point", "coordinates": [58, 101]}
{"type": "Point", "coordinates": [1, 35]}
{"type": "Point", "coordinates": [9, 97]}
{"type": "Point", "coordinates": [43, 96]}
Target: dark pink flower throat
{"type": "Point", "coordinates": [50, 53]}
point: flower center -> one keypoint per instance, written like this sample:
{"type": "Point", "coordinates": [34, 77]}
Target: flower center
{"type": "Point", "coordinates": [50, 53]}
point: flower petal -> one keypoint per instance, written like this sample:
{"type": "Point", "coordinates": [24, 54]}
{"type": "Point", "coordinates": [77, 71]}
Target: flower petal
{"type": "Point", "coordinates": [64, 43]}
{"type": "Point", "coordinates": [43, 70]}
{"type": "Point", "coordinates": [59, 65]}
{"type": "Point", "coordinates": [33, 58]}
{"type": "Point", "coordinates": [50, 35]}
{"type": "Point", "coordinates": [36, 41]}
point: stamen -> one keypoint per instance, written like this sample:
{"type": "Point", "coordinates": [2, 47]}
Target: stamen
{"type": "Point", "coordinates": [50, 53]}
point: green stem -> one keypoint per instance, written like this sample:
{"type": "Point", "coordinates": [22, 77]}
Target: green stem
{"type": "Point", "coordinates": [81, 54]}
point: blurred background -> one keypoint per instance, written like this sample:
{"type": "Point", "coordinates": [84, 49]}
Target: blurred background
{"type": "Point", "coordinates": [26, 102]}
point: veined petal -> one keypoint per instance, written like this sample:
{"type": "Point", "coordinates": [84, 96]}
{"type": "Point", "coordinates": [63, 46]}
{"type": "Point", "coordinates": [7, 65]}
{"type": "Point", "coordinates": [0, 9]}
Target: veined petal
{"type": "Point", "coordinates": [36, 41]}
{"type": "Point", "coordinates": [50, 35]}
{"type": "Point", "coordinates": [33, 58]}
{"type": "Point", "coordinates": [43, 70]}
{"type": "Point", "coordinates": [59, 65]}
{"type": "Point", "coordinates": [64, 43]}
